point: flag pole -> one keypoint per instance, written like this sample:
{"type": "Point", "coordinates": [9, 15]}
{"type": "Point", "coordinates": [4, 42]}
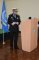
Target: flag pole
{"type": "Point", "coordinates": [3, 38]}
{"type": "Point", "coordinates": [4, 19]}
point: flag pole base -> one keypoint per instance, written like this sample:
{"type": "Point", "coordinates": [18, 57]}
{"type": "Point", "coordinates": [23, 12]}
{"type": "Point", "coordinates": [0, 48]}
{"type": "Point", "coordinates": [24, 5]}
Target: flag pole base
{"type": "Point", "coordinates": [3, 43]}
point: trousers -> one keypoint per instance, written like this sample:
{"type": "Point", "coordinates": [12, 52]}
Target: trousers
{"type": "Point", "coordinates": [13, 39]}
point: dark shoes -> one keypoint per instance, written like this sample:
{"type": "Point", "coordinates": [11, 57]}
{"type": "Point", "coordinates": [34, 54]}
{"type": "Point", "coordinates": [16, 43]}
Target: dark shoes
{"type": "Point", "coordinates": [16, 48]}
{"type": "Point", "coordinates": [11, 48]}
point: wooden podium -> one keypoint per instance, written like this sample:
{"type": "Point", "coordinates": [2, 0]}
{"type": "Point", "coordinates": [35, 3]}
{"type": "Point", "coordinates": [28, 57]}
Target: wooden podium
{"type": "Point", "coordinates": [29, 34]}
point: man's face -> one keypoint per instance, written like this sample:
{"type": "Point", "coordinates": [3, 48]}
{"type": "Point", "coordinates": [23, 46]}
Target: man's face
{"type": "Point", "coordinates": [14, 12]}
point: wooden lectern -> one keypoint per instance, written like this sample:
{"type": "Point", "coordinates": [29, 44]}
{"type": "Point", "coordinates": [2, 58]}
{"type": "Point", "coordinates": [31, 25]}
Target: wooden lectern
{"type": "Point", "coordinates": [29, 34]}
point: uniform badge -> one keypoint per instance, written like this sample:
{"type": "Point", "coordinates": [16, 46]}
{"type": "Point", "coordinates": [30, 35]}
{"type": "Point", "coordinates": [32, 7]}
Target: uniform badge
{"type": "Point", "coordinates": [12, 18]}
{"type": "Point", "coordinates": [17, 17]}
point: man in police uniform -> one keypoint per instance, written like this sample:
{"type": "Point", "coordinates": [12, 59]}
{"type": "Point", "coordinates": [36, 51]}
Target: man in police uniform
{"type": "Point", "coordinates": [14, 21]}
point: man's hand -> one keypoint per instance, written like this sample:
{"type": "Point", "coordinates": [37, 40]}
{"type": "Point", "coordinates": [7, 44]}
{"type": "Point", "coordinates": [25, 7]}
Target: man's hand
{"type": "Point", "coordinates": [15, 23]}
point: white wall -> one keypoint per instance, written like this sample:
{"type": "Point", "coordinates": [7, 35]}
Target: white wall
{"type": "Point", "coordinates": [26, 8]}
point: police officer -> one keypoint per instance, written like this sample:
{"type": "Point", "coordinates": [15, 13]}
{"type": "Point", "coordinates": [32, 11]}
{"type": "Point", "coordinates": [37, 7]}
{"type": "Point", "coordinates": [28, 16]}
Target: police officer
{"type": "Point", "coordinates": [14, 21]}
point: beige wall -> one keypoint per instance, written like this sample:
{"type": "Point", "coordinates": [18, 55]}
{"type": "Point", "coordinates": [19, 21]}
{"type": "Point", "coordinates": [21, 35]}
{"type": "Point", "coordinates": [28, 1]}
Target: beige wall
{"type": "Point", "coordinates": [26, 8]}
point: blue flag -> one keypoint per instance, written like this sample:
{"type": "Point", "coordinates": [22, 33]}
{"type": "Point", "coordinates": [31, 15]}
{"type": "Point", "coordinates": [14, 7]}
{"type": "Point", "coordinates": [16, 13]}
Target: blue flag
{"type": "Point", "coordinates": [4, 17]}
